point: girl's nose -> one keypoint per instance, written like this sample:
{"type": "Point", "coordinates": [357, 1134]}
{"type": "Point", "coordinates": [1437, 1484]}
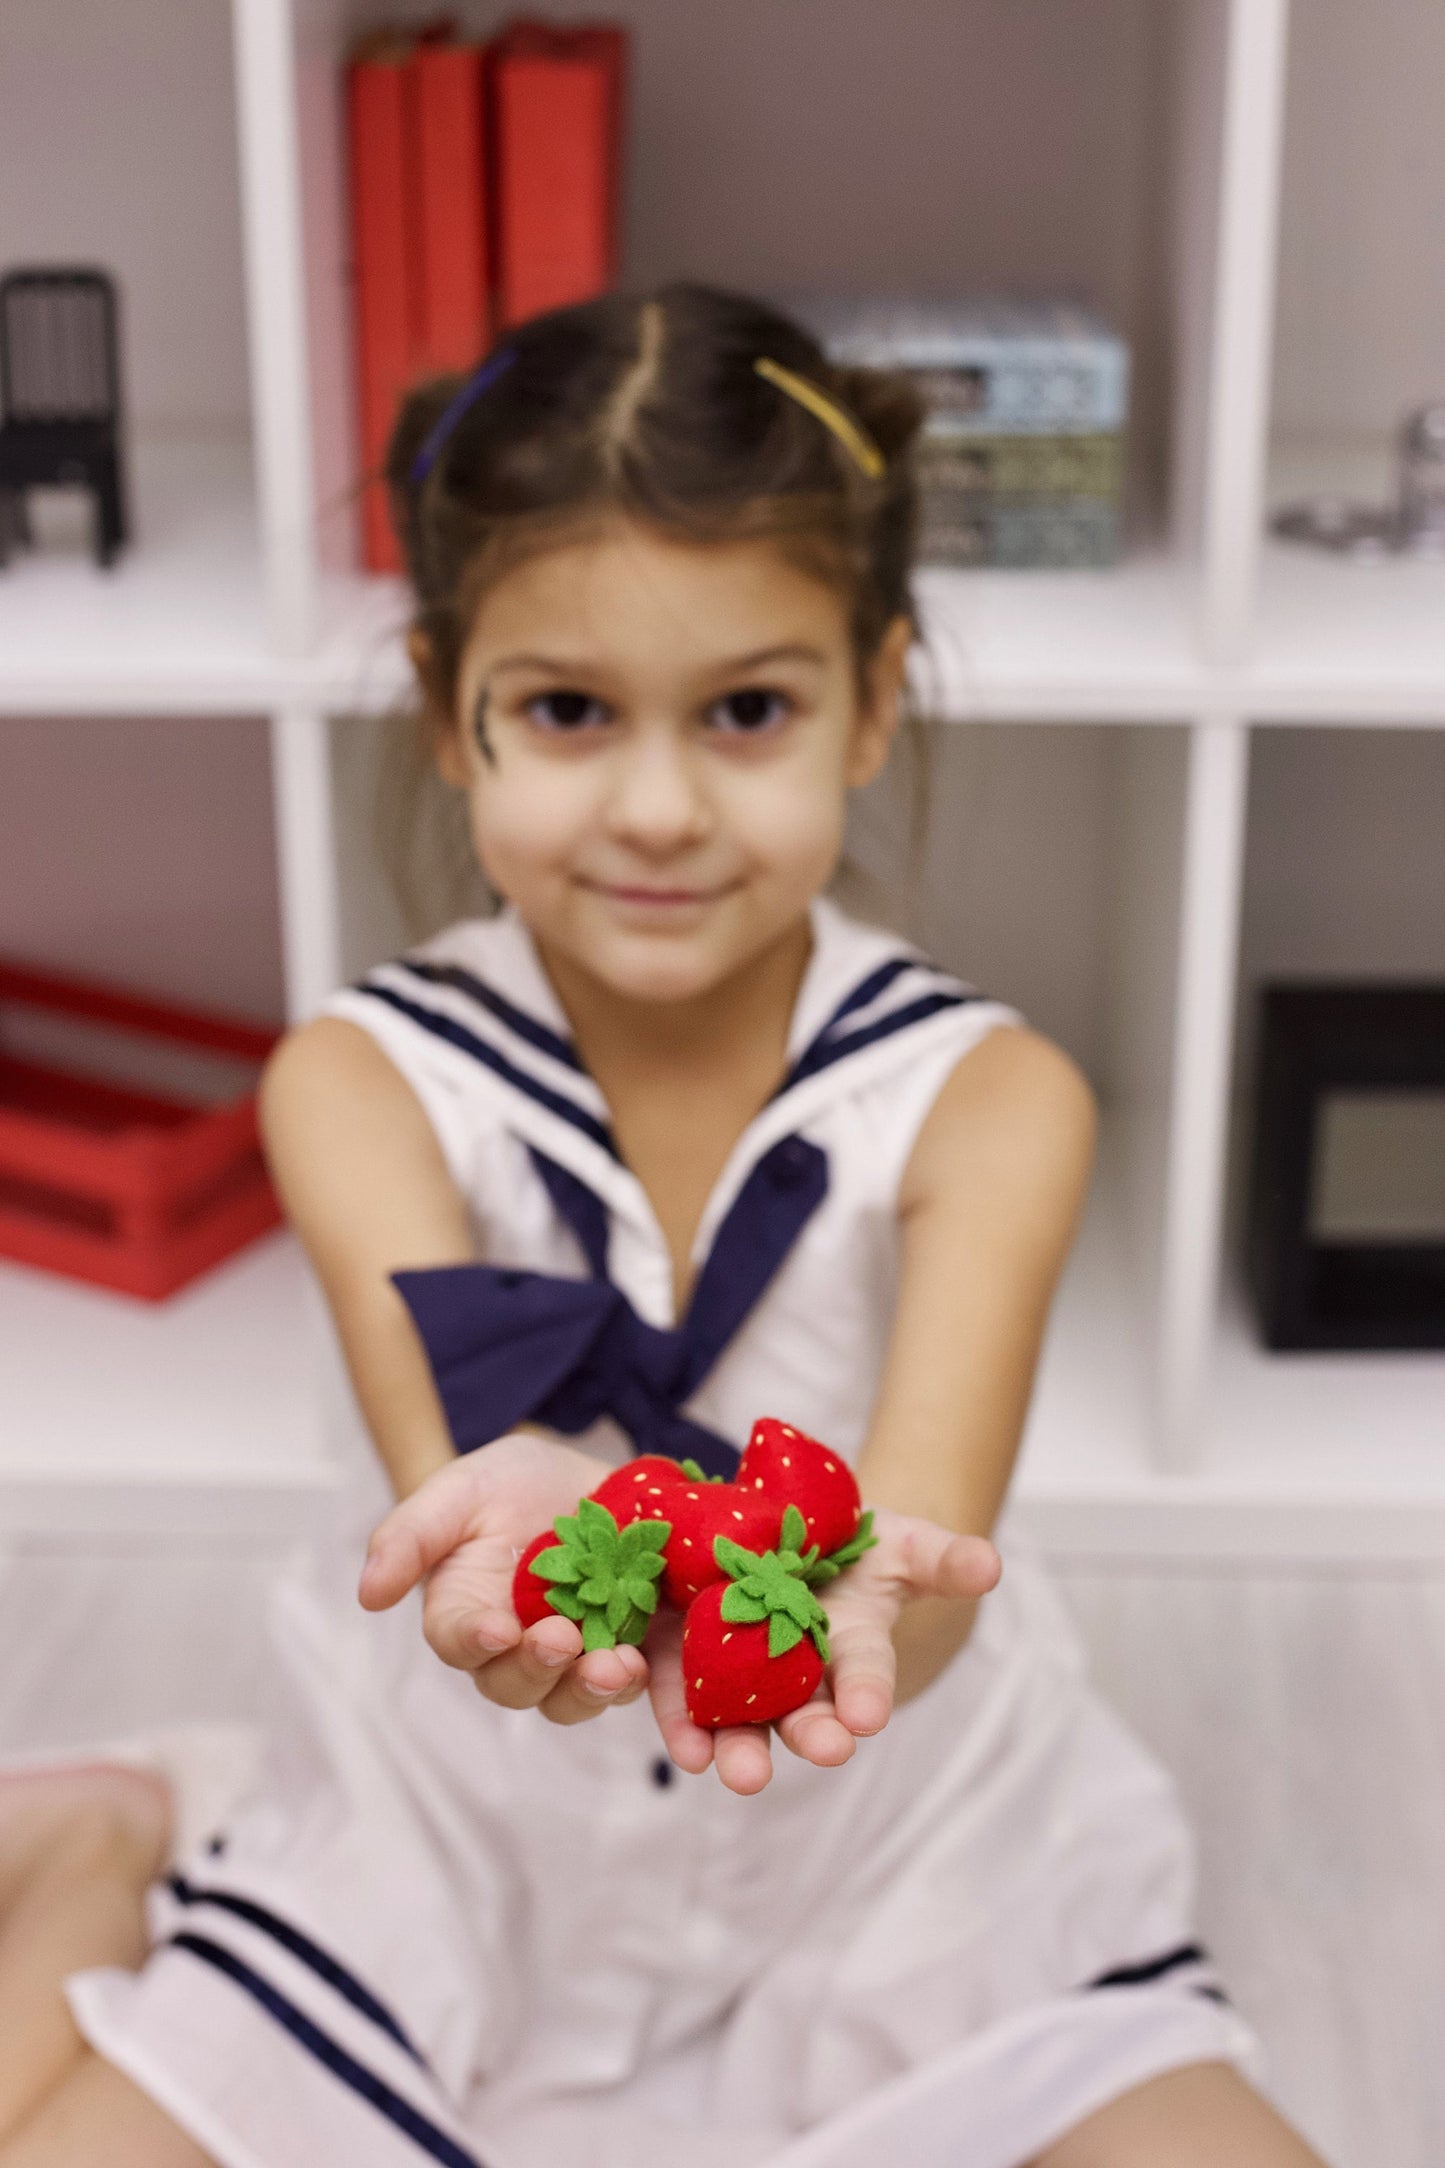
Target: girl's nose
{"type": "Point", "coordinates": [658, 801]}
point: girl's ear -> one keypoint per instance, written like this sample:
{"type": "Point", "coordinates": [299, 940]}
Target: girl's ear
{"type": "Point", "coordinates": [446, 739]}
{"type": "Point", "coordinates": [881, 709]}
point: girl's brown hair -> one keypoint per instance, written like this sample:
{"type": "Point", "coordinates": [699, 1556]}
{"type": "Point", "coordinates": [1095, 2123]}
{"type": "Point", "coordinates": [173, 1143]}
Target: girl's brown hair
{"type": "Point", "coordinates": [649, 406]}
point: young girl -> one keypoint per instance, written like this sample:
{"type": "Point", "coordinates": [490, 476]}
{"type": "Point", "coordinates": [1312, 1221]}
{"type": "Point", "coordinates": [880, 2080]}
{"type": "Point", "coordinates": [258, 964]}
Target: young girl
{"type": "Point", "coordinates": [668, 1144]}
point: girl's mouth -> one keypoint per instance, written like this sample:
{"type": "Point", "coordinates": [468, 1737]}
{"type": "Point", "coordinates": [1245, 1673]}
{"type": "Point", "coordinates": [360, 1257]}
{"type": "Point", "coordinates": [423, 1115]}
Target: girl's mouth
{"type": "Point", "coordinates": [658, 898]}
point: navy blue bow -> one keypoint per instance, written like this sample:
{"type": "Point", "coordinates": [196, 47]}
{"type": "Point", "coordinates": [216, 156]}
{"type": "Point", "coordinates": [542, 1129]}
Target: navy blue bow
{"type": "Point", "coordinates": [508, 1347]}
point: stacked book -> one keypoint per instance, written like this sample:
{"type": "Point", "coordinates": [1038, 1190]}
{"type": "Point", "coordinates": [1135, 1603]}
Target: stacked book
{"type": "Point", "coordinates": [484, 189]}
{"type": "Point", "coordinates": [1021, 460]}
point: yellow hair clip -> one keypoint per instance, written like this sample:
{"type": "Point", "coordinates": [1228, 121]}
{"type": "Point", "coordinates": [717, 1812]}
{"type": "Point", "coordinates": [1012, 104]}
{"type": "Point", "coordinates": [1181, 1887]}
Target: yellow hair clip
{"type": "Point", "coordinates": [854, 440]}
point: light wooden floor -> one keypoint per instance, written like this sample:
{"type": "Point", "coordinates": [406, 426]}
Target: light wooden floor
{"type": "Point", "coordinates": [1303, 1717]}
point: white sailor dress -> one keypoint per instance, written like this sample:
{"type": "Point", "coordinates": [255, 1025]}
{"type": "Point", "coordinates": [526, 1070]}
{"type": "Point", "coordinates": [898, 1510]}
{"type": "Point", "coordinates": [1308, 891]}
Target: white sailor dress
{"type": "Point", "coordinates": [443, 1931]}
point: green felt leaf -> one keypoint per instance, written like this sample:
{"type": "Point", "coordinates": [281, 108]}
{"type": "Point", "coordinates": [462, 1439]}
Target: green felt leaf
{"type": "Point", "coordinates": [597, 1589]}
{"type": "Point", "coordinates": [619, 1609]}
{"type": "Point", "coordinates": [594, 1519]}
{"type": "Point", "coordinates": [783, 1634]}
{"type": "Point", "coordinates": [741, 1609]}
{"type": "Point", "coordinates": [691, 1469]}
{"type": "Point", "coordinates": [650, 1535]}
{"type": "Point", "coordinates": [596, 1633]}
{"type": "Point", "coordinates": [565, 1528]}
{"type": "Point", "coordinates": [820, 1637]}
{"type": "Point", "coordinates": [636, 1628]}
{"type": "Point", "coordinates": [557, 1565]}
{"type": "Point", "coordinates": [642, 1594]}
{"type": "Point", "coordinates": [567, 1602]}
{"type": "Point", "coordinates": [794, 1532]}
{"type": "Point", "coordinates": [798, 1603]}
{"type": "Point", "coordinates": [732, 1557]}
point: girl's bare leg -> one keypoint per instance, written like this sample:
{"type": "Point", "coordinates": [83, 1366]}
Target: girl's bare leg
{"type": "Point", "coordinates": [77, 1849]}
{"type": "Point", "coordinates": [1202, 2116]}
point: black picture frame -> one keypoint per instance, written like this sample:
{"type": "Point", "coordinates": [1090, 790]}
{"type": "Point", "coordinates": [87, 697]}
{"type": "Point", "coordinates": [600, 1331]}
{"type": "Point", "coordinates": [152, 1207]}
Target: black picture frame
{"type": "Point", "coordinates": [1316, 1038]}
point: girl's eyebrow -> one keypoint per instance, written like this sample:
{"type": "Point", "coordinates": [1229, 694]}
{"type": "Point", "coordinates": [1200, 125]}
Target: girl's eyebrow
{"type": "Point", "coordinates": [577, 666]}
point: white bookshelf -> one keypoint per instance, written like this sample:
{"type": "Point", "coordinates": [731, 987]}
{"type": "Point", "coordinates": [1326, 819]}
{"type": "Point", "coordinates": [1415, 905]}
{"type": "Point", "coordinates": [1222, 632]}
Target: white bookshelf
{"type": "Point", "coordinates": [1181, 163]}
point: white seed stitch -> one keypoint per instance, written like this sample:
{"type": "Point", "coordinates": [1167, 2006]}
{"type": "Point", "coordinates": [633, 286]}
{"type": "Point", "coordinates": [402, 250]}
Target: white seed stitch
{"type": "Point", "coordinates": [725, 1639]}
{"type": "Point", "coordinates": [750, 1700]}
{"type": "Point", "coordinates": [786, 1462]}
{"type": "Point", "coordinates": [688, 1541]}
{"type": "Point", "coordinates": [697, 1682]}
{"type": "Point", "coordinates": [736, 1515]}
{"type": "Point", "coordinates": [692, 1494]}
{"type": "Point", "coordinates": [831, 1466]}
{"type": "Point", "coordinates": [787, 1433]}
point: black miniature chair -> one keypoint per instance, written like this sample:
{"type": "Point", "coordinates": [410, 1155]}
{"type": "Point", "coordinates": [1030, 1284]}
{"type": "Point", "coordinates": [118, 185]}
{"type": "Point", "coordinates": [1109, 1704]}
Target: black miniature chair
{"type": "Point", "coordinates": [60, 398]}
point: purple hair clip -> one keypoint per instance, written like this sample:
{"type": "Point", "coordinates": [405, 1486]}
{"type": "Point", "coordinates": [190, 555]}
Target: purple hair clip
{"type": "Point", "coordinates": [480, 381]}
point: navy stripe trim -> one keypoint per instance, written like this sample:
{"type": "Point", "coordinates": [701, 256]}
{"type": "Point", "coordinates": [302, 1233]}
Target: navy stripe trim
{"type": "Point", "coordinates": [1153, 1968]}
{"type": "Point", "coordinates": [526, 1027]}
{"type": "Point", "coordinates": [310, 1953]}
{"type": "Point", "coordinates": [877, 981]}
{"type": "Point", "coordinates": [419, 2128]}
{"type": "Point", "coordinates": [819, 1056]}
{"type": "Point", "coordinates": [455, 1034]}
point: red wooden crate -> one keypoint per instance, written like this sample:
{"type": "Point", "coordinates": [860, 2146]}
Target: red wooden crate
{"type": "Point", "coordinates": [134, 1189]}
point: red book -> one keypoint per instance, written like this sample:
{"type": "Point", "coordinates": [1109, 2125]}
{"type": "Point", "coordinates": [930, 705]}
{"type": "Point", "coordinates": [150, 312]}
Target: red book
{"type": "Point", "coordinates": [381, 115]}
{"type": "Point", "coordinates": [451, 193]}
{"type": "Point", "coordinates": [556, 116]}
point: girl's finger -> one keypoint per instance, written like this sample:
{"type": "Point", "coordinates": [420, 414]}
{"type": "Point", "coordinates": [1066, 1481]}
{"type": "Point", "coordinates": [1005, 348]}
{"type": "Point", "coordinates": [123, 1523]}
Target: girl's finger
{"type": "Point", "coordinates": [939, 1563]}
{"type": "Point", "coordinates": [743, 1757]}
{"type": "Point", "coordinates": [864, 1665]}
{"type": "Point", "coordinates": [815, 1734]}
{"type": "Point", "coordinates": [416, 1534]}
{"type": "Point", "coordinates": [689, 1746]}
{"type": "Point", "coordinates": [605, 1679]}
{"type": "Point", "coordinates": [527, 1674]}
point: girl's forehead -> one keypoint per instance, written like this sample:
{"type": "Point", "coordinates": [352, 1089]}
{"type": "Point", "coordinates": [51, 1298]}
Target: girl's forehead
{"type": "Point", "coordinates": [631, 596]}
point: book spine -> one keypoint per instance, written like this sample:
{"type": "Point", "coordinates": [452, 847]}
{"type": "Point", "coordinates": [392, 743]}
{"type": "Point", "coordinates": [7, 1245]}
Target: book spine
{"type": "Point", "coordinates": [1028, 391]}
{"type": "Point", "coordinates": [1022, 466]}
{"type": "Point", "coordinates": [381, 132]}
{"type": "Point", "coordinates": [1070, 535]}
{"type": "Point", "coordinates": [455, 312]}
{"type": "Point", "coordinates": [555, 105]}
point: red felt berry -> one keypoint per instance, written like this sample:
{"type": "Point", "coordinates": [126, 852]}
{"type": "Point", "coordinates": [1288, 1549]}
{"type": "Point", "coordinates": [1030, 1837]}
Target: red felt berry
{"type": "Point", "coordinates": [754, 1645]}
{"type": "Point", "coordinates": [700, 1513]}
{"type": "Point", "coordinates": [786, 1464]}
{"type": "Point", "coordinates": [529, 1592]}
{"type": "Point", "coordinates": [601, 1576]}
{"type": "Point", "coordinates": [639, 1489]}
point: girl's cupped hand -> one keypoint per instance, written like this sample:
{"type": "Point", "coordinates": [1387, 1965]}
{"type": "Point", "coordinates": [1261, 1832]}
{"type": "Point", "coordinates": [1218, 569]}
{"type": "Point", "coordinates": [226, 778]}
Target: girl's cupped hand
{"type": "Point", "coordinates": [462, 1530]}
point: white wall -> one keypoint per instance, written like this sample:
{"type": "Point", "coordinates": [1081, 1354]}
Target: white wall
{"type": "Point", "coordinates": [1361, 330]}
{"type": "Point", "coordinates": [141, 850]}
{"type": "Point", "coordinates": [118, 146]}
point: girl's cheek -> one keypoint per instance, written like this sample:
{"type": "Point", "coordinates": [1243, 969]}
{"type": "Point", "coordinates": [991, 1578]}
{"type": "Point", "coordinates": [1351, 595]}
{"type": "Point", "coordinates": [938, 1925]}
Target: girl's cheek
{"type": "Point", "coordinates": [530, 822]}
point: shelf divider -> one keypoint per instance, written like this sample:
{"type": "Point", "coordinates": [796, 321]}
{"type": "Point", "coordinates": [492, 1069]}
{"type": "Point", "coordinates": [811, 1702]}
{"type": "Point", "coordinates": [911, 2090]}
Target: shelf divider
{"type": "Point", "coordinates": [1211, 881]}
{"type": "Point", "coordinates": [276, 318]}
{"type": "Point", "coordinates": [301, 781]}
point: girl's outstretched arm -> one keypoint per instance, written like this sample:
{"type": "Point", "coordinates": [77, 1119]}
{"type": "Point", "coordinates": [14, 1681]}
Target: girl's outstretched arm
{"type": "Point", "coordinates": [989, 1203]}
{"type": "Point", "coordinates": [366, 1187]}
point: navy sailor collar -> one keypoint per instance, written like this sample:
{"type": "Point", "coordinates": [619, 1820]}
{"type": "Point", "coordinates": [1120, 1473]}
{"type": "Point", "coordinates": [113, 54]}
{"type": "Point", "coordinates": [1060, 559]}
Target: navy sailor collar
{"type": "Point", "coordinates": [480, 993]}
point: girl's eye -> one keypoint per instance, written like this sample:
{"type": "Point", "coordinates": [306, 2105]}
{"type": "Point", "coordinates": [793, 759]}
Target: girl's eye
{"type": "Point", "coordinates": [753, 709]}
{"type": "Point", "coordinates": [566, 710]}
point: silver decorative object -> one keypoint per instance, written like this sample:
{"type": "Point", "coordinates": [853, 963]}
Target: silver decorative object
{"type": "Point", "coordinates": [1414, 526]}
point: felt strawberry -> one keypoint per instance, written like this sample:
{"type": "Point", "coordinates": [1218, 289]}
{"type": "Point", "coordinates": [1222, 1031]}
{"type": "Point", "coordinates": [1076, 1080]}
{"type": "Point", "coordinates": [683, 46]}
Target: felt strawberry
{"type": "Point", "coordinates": [754, 1645]}
{"type": "Point", "coordinates": [700, 1513]}
{"type": "Point", "coordinates": [602, 1576]}
{"type": "Point", "coordinates": [639, 1489]}
{"type": "Point", "coordinates": [783, 1463]}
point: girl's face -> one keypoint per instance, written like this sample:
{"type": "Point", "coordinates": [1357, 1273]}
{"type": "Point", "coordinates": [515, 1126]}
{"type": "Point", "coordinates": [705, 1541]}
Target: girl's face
{"type": "Point", "coordinates": [657, 739]}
